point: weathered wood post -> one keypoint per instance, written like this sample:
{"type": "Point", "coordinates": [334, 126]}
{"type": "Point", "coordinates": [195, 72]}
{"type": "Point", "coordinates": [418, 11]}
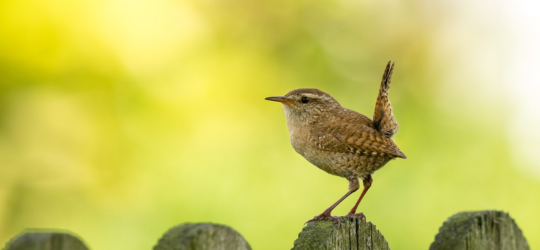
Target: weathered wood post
{"type": "Point", "coordinates": [480, 230]}
{"type": "Point", "coordinates": [46, 240]}
{"type": "Point", "coordinates": [201, 236]}
{"type": "Point", "coordinates": [483, 230]}
{"type": "Point", "coordinates": [353, 233]}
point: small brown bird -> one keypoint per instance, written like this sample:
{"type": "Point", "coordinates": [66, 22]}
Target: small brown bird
{"type": "Point", "coordinates": [340, 141]}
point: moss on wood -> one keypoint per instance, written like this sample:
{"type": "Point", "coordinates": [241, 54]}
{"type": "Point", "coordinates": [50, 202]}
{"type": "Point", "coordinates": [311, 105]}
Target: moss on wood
{"type": "Point", "coordinates": [201, 237]}
{"type": "Point", "coordinates": [480, 230]}
{"type": "Point", "coordinates": [353, 233]}
{"type": "Point", "coordinates": [43, 240]}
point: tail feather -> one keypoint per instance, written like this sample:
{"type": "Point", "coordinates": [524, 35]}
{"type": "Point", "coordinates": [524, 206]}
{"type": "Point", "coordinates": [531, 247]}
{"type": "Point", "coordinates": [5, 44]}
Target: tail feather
{"type": "Point", "coordinates": [383, 118]}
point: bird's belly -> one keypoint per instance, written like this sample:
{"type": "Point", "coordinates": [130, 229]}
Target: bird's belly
{"type": "Point", "coordinates": [357, 165]}
{"type": "Point", "coordinates": [344, 164]}
{"type": "Point", "coordinates": [321, 160]}
{"type": "Point", "coordinates": [315, 157]}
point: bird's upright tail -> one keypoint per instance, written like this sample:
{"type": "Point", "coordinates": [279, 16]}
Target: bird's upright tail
{"type": "Point", "coordinates": [383, 118]}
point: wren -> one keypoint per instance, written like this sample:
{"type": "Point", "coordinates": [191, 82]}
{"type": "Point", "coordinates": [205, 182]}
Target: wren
{"type": "Point", "coordinates": [340, 141]}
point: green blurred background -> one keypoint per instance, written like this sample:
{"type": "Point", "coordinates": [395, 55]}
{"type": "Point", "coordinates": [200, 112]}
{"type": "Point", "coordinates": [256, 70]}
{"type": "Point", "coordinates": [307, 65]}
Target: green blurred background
{"type": "Point", "coordinates": [120, 119]}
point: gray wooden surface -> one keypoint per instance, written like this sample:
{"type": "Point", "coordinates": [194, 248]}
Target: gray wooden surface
{"type": "Point", "coordinates": [480, 230]}
{"type": "Point", "coordinates": [201, 237]}
{"type": "Point", "coordinates": [353, 234]}
{"type": "Point", "coordinates": [45, 241]}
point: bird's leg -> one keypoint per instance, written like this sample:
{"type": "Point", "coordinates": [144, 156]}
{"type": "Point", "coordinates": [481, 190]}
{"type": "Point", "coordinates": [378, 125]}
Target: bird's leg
{"type": "Point", "coordinates": [353, 186]}
{"type": "Point", "coordinates": [367, 184]}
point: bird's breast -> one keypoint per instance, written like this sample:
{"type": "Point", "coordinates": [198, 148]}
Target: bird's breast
{"type": "Point", "coordinates": [300, 143]}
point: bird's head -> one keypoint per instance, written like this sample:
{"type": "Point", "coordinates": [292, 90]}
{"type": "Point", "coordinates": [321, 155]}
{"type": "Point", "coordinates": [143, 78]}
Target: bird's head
{"type": "Point", "coordinates": [305, 105]}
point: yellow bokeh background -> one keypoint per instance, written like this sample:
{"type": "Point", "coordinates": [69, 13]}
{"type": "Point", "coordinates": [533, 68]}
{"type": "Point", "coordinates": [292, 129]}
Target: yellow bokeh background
{"type": "Point", "coordinates": [120, 119]}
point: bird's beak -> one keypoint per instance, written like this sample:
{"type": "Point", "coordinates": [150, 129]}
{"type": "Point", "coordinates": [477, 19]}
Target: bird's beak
{"type": "Point", "coordinates": [281, 99]}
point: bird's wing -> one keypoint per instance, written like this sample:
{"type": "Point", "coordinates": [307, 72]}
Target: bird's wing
{"type": "Point", "coordinates": [383, 118]}
{"type": "Point", "coordinates": [354, 137]}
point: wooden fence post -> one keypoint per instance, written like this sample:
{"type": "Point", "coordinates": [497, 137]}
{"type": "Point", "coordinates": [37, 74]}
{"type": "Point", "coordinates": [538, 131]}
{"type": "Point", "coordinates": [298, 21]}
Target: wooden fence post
{"type": "Point", "coordinates": [480, 230]}
{"type": "Point", "coordinates": [205, 236]}
{"type": "Point", "coordinates": [463, 231]}
{"type": "Point", "coordinates": [35, 240]}
{"type": "Point", "coordinates": [353, 233]}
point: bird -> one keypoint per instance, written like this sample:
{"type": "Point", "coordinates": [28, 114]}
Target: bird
{"type": "Point", "coordinates": [341, 141]}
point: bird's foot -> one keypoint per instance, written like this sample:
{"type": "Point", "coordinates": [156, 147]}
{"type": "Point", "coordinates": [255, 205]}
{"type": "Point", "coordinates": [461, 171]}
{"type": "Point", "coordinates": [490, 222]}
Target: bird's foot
{"type": "Point", "coordinates": [325, 216]}
{"type": "Point", "coordinates": [361, 215]}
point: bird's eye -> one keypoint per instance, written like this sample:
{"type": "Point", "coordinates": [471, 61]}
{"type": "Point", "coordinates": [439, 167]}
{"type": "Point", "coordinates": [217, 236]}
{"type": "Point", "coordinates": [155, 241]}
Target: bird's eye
{"type": "Point", "coordinates": [305, 99]}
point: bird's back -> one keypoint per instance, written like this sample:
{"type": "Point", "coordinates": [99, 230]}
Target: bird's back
{"type": "Point", "coordinates": [347, 144]}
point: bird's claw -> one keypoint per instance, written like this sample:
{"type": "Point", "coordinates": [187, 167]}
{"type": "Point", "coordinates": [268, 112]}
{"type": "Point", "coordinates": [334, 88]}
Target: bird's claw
{"type": "Point", "coordinates": [325, 216]}
{"type": "Point", "coordinates": [361, 215]}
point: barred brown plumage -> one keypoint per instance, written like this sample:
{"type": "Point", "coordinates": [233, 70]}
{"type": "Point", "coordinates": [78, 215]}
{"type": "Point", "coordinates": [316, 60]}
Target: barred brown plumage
{"type": "Point", "coordinates": [341, 141]}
